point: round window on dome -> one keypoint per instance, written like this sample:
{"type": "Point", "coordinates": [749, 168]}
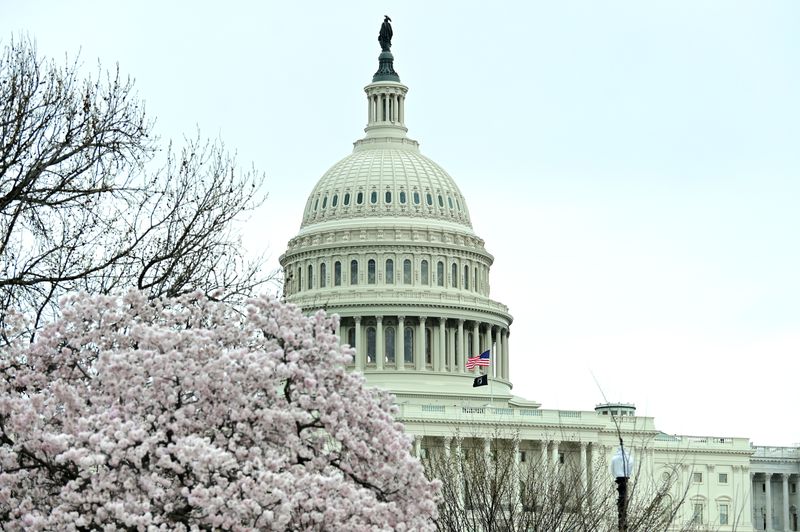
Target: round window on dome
{"type": "Point", "coordinates": [359, 198]}
{"type": "Point", "coordinates": [324, 202]}
{"type": "Point", "coordinates": [441, 201]}
{"type": "Point", "coordinates": [346, 200]}
{"type": "Point", "coordinates": [335, 200]}
{"type": "Point", "coordinates": [416, 198]}
{"type": "Point", "coordinates": [402, 196]}
{"type": "Point", "coordinates": [387, 197]}
{"type": "Point", "coordinates": [373, 197]}
{"type": "Point", "coordinates": [428, 199]}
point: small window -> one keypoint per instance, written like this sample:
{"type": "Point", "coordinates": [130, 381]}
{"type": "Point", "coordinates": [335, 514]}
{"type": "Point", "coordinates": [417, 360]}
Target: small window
{"type": "Point", "coordinates": [310, 279]}
{"type": "Point", "coordinates": [323, 275]}
{"type": "Point", "coordinates": [408, 345]}
{"type": "Point", "coordinates": [440, 273]}
{"type": "Point", "coordinates": [416, 198]}
{"type": "Point", "coordinates": [458, 204]}
{"type": "Point", "coordinates": [424, 271]}
{"type": "Point", "coordinates": [428, 346]}
{"type": "Point", "coordinates": [454, 276]}
{"type": "Point", "coordinates": [371, 271]}
{"type": "Point", "coordinates": [561, 458]}
{"type": "Point", "coordinates": [389, 344]}
{"type": "Point", "coordinates": [353, 272]}
{"type": "Point", "coordinates": [794, 487]}
{"type": "Point", "coordinates": [441, 201]}
{"type": "Point", "coordinates": [522, 456]}
{"type": "Point", "coordinates": [389, 271]}
{"type": "Point", "coordinates": [450, 202]}
{"type": "Point", "coordinates": [373, 197]}
{"type": "Point", "coordinates": [697, 478]}
{"type": "Point", "coordinates": [428, 199]}
{"type": "Point", "coordinates": [402, 197]}
{"type": "Point", "coordinates": [316, 204]}
{"type": "Point", "coordinates": [337, 273]}
{"type": "Point", "coordinates": [324, 202]}
{"type": "Point", "coordinates": [335, 200]}
{"type": "Point", "coordinates": [387, 198]}
{"type": "Point", "coordinates": [723, 514]}
{"type": "Point", "coordinates": [346, 199]}
{"type": "Point", "coordinates": [299, 279]}
{"type": "Point", "coordinates": [359, 198]}
{"type": "Point", "coordinates": [475, 279]}
{"type": "Point", "coordinates": [466, 277]}
{"type": "Point", "coordinates": [351, 336]}
{"type": "Point", "coordinates": [407, 271]}
{"type": "Point", "coordinates": [723, 478]}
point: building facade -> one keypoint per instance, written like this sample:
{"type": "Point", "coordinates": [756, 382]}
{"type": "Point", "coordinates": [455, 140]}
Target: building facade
{"type": "Point", "coordinates": [387, 243]}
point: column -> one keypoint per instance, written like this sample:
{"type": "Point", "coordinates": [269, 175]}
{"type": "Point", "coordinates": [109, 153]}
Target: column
{"type": "Point", "coordinates": [475, 343]}
{"type": "Point", "coordinates": [442, 354]}
{"type": "Point", "coordinates": [399, 344]}
{"type": "Point", "coordinates": [417, 446]}
{"type": "Point", "coordinates": [451, 350]}
{"type": "Point", "coordinates": [499, 357]}
{"type": "Point", "coordinates": [360, 351]}
{"type": "Point", "coordinates": [785, 479]}
{"type": "Point", "coordinates": [460, 347]}
{"type": "Point", "coordinates": [554, 456]}
{"type": "Point", "coordinates": [515, 472]}
{"type": "Point", "coordinates": [447, 447]}
{"type": "Point", "coordinates": [505, 354]}
{"type": "Point", "coordinates": [768, 489]}
{"type": "Point", "coordinates": [380, 349]}
{"type": "Point", "coordinates": [584, 468]}
{"type": "Point", "coordinates": [543, 456]}
{"type": "Point", "coordinates": [419, 356]}
{"type": "Point", "coordinates": [385, 107]}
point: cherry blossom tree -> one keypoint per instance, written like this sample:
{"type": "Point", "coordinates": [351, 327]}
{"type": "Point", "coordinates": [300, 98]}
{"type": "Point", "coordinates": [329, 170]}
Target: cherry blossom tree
{"type": "Point", "coordinates": [136, 413]}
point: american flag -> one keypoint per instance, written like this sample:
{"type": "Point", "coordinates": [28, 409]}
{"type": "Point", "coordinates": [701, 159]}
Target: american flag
{"type": "Point", "coordinates": [480, 360]}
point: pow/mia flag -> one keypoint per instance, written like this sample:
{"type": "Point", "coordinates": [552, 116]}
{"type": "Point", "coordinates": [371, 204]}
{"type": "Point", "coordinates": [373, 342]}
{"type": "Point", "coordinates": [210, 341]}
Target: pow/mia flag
{"type": "Point", "coordinates": [483, 380]}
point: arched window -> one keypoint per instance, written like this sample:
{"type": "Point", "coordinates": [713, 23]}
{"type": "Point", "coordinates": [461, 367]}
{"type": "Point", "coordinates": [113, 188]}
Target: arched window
{"type": "Point", "coordinates": [450, 202]}
{"type": "Point", "coordinates": [408, 345]}
{"type": "Point", "coordinates": [373, 197]}
{"type": "Point", "coordinates": [323, 275]}
{"type": "Point", "coordinates": [423, 271]}
{"type": "Point", "coordinates": [371, 271]}
{"type": "Point", "coordinates": [402, 196]}
{"type": "Point", "coordinates": [470, 351]}
{"type": "Point", "coordinates": [316, 204]}
{"type": "Point", "coordinates": [389, 271]}
{"type": "Point", "coordinates": [351, 336]}
{"type": "Point", "coordinates": [371, 346]}
{"type": "Point", "coordinates": [428, 346]}
{"type": "Point", "coordinates": [299, 279]}
{"type": "Point", "coordinates": [466, 277]}
{"type": "Point", "coordinates": [388, 348]}
{"type": "Point", "coordinates": [354, 272]}
{"type": "Point", "coordinates": [310, 279]}
{"type": "Point", "coordinates": [337, 273]}
{"type": "Point", "coordinates": [454, 276]}
{"type": "Point", "coordinates": [475, 279]}
{"type": "Point", "coordinates": [406, 271]}
{"type": "Point", "coordinates": [359, 198]}
{"type": "Point", "coordinates": [428, 199]}
{"type": "Point", "coordinates": [335, 200]}
{"type": "Point", "coordinates": [324, 202]}
{"type": "Point", "coordinates": [440, 273]}
{"type": "Point", "coordinates": [346, 199]}
{"type": "Point", "coordinates": [416, 198]}
{"type": "Point", "coordinates": [441, 201]}
{"type": "Point", "coordinates": [387, 197]}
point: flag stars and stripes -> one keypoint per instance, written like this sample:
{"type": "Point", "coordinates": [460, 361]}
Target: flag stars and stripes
{"type": "Point", "coordinates": [481, 360]}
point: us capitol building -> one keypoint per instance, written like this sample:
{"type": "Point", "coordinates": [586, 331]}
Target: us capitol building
{"type": "Point", "coordinates": [387, 243]}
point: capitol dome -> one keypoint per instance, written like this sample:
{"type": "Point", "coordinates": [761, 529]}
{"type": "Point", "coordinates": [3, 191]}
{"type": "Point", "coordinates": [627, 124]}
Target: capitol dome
{"type": "Point", "coordinates": [386, 179]}
{"type": "Point", "coordinates": [386, 242]}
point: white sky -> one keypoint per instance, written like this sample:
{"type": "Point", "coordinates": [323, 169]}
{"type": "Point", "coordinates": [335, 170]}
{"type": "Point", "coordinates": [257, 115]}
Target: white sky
{"type": "Point", "coordinates": [633, 167]}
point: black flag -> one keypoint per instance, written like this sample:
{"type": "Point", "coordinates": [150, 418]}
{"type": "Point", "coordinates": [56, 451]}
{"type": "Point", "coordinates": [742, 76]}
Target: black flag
{"type": "Point", "coordinates": [483, 380]}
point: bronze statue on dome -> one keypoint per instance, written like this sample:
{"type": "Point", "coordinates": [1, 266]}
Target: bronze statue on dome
{"type": "Point", "coordinates": [385, 36]}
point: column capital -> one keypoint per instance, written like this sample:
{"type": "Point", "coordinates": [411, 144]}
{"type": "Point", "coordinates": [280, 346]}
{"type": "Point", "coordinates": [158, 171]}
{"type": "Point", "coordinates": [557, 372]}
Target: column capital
{"type": "Point", "coordinates": [357, 319]}
{"type": "Point", "coordinates": [401, 318]}
{"type": "Point", "coordinates": [422, 319]}
{"type": "Point", "coordinates": [379, 318]}
{"type": "Point", "coordinates": [461, 321]}
{"type": "Point", "coordinates": [442, 320]}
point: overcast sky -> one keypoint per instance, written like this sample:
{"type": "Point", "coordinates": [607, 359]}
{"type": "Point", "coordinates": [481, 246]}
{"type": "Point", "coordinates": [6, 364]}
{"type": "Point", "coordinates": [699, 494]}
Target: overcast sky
{"type": "Point", "coordinates": [634, 167]}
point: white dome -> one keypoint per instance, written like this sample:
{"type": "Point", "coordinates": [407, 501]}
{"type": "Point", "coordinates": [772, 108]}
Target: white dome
{"type": "Point", "coordinates": [386, 177]}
